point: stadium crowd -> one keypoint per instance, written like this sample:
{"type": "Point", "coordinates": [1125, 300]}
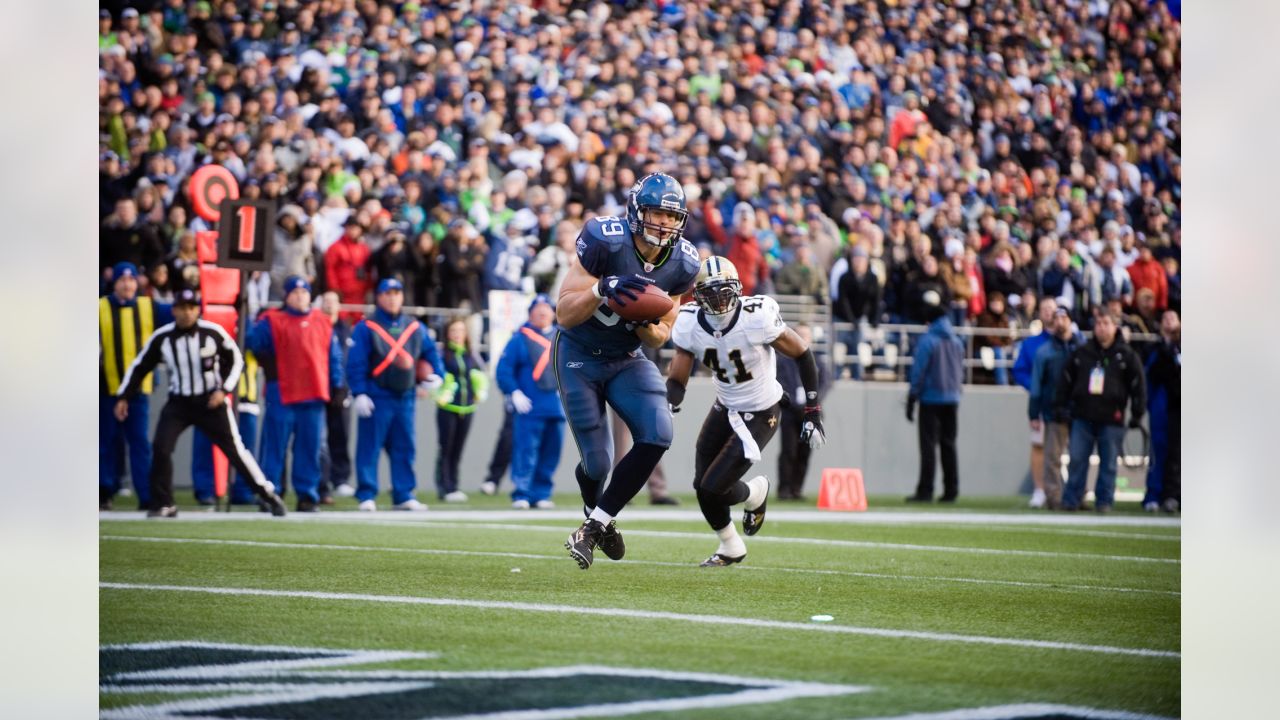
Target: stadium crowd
{"type": "Point", "coordinates": [863, 153]}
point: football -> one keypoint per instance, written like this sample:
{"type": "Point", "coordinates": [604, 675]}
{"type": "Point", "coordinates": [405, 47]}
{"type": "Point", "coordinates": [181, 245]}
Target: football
{"type": "Point", "coordinates": [652, 304]}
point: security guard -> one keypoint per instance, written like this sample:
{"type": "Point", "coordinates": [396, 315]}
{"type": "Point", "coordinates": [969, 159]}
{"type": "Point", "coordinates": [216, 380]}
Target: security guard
{"type": "Point", "coordinates": [247, 411]}
{"type": "Point", "coordinates": [386, 348]}
{"type": "Point", "coordinates": [125, 321]}
{"type": "Point", "coordinates": [527, 379]}
{"type": "Point", "coordinates": [307, 362]}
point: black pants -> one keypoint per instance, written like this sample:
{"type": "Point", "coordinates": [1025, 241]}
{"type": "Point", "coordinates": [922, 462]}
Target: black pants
{"type": "Point", "coordinates": [219, 424]}
{"type": "Point", "coordinates": [938, 428]}
{"type": "Point", "coordinates": [337, 469]}
{"type": "Point", "coordinates": [793, 461]}
{"type": "Point", "coordinates": [501, 459]}
{"type": "Point", "coordinates": [453, 429]}
{"type": "Point", "coordinates": [721, 460]}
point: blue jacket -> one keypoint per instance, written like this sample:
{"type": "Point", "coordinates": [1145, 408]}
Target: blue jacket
{"type": "Point", "coordinates": [262, 344]}
{"type": "Point", "coordinates": [938, 370]}
{"type": "Point", "coordinates": [1046, 373]}
{"type": "Point", "coordinates": [515, 372]}
{"type": "Point", "coordinates": [359, 374]}
{"type": "Point", "coordinates": [1027, 357]}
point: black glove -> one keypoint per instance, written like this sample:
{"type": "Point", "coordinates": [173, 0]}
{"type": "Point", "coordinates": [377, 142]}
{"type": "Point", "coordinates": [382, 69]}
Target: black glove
{"type": "Point", "coordinates": [621, 288]}
{"type": "Point", "coordinates": [1135, 421]}
{"type": "Point", "coordinates": [911, 408]}
{"type": "Point", "coordinates": [811, 430]}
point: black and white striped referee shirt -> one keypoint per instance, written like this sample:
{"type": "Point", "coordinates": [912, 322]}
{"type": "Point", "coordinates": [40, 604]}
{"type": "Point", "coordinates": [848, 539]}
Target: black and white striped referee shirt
{"type": "Point", "coordinates": [200, 359]}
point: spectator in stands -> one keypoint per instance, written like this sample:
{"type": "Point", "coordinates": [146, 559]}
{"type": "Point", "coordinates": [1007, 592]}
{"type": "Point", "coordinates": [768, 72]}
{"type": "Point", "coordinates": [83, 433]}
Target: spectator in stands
{"type": "Point", "coordinates": [293, 254]}
{"type": "Point", "coordinates": [527, 380]}
{"type": "Point", "coordinates": [1043, 408]}
{"type": "Point", "coordinates": [1147, 273]}
{"type": "Point", "coordinates": [922, 282]}
{"type": "Point", "coordinates": [995, 324]}
{"type": "Point", "coordinates": [1022, 375]}
{"type": "Point", "coordinates": [801, 276]}
{"type": "Point", "coordinates": [461, 266]}
{"type": "Point", "coordinates": [936, 375]}
{"type": "Point", "coordinates": [1164, 380]}
{"type": "Point", "coordinates": [303, 361]}
{"type": "Point", "coordinates": [1173, 274]}
{"type": "Point", "coordinates": [397, 258]}
{"type": "Point", "coordinates": [465, 386]}
{"type": "Point", "coordinates": [390, 361]}
{"type": "Point", "coordinates": [1100, 378]}
{"type": "Point", "coordinates": [744, 250]}
{"type": "Point", "coordinates": [346, 267]}
{"type": "Point", "coordinates": [1110, 282]}
{"type": "Point", "coordinates": [1062, 281]}
{"type": "Point", "coordinates": [858, 300]}
{"type": "Point", "coordinates": [125, 321]}
{"type": "Point", "coordinates": [959, 272]}
{"type": "Point", "coordinates": [126, 238]}
{"type": "Point", "coordinates": [1001, 275]}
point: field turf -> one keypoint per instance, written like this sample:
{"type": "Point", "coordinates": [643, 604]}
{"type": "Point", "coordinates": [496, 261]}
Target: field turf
{"type": "Point", "coordinates": [940, 610]}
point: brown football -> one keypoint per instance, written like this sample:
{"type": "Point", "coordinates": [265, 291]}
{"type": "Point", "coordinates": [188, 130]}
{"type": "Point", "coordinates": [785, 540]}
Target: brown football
{"type": "Point", "coordinates": [652, 304]}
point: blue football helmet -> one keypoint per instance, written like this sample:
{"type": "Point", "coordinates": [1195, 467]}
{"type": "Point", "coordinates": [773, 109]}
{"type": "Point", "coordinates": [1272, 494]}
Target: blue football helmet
{"type": "Point", "coordinates": [657, 191]}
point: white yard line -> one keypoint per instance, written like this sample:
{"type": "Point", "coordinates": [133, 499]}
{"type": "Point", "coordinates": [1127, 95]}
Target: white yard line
{"type": "Point", "coordinates": [882, 517]}
{"type": "Point", "coordinates": [402, 521]}
{"type": "Point", "coordinates": [651, 615]}
{"type": "Point", "coordinates": [1002, 712]}
{"type": "Point", "coordinates": [657, 563]}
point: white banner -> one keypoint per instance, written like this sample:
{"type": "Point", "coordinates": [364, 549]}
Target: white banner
{"type": "Point", "coordinates": [508, 310]}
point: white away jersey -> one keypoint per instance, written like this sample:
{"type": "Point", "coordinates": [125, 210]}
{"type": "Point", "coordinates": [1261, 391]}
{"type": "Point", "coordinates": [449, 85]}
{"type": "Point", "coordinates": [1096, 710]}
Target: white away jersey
{"type": "Point", "coordinates": [739, 354]}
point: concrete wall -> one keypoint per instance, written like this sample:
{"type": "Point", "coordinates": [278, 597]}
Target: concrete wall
{"type": "Point", "coordinates": [865, 429]}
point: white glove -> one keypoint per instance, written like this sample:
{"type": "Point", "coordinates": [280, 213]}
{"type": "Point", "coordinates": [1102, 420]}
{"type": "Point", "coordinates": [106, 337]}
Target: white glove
{"type": "Point", "coordinates": [432, 382]}
{"type": "Point", "coordinates": [521, 402]}
{"type": "Point", "coordinates": [363, 405]}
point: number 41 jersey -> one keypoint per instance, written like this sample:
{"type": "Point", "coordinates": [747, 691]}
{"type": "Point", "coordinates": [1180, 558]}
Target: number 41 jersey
{"type": "Point", "coordinates": [739, 354]}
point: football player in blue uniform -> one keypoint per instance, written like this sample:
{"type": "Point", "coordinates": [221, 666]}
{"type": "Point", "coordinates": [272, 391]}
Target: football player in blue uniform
{"type": "Point", "coordinates": [597, 353]}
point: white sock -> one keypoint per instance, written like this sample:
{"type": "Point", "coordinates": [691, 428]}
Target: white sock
{"type": "Point", "coordinates": [759, 492]}
{"type": "Point", "coordinates": [730, 544]}
{"type": "Point", "coordinates": [601, 516]}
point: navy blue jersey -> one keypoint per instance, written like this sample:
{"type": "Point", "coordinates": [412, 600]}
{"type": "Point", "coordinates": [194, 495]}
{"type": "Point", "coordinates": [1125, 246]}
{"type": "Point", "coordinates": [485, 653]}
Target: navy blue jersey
{"type": "Point", "coordinates": [605, 248]}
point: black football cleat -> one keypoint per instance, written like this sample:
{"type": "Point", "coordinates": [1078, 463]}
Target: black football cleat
{"type": "Point", "coordinates": [719, 560]}
{"type": "Point", "coordinates": [168, 511]}
{"type": "Point", "coordinates": [584, 541]}
{"type": "Point", "coordinates": [611, 542]}
{"type": "Point", "coordinates": [306, 506]}
{"type": "Point", "coordinates": [275, 506]}
{"type": "Point", "coordinates": [753, 520]}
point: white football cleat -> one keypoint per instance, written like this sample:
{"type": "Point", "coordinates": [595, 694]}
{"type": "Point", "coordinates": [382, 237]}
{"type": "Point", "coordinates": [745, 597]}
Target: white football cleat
{"type": "Point", "coordinates": [544, 505]}
{"type": "Point", "coordinates": [457, 496]}
{"type": "Point", "coordinates": [488, 488]}
{"type": "Point", "coordinates": [520, 505]}
{"type": "Point", "coordinates": [411, 505]}
{"type": "Point", "coordinates": [367, 506]}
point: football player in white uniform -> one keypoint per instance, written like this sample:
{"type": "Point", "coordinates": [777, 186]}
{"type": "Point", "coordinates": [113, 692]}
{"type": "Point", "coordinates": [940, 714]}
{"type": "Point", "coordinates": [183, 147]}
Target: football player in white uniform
{"type": "Point", "coordinates": [735, 336]}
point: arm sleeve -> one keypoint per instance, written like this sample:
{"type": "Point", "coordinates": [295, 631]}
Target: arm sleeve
{"type": "Point", "coordinates": [259, 340]}
{"type": "Point", "coordinates": [337, 378]}
{"type": "Point", "coordinates": [507, 364]}
{"type": "Point", "coordinates": [1036, 386]}
{"type": "Point", "coordinates": [808, 366]}
{"type": "Point", "coordinates": [593, 253]}
{"type": "Point", "coordinates": [143, 364]}
{"type": "Point", "coordinates": [358, 361]}
{"type": "Point", "coordinates": [230, 358]}
{"type": "Point", "coordinates": [923, 354]}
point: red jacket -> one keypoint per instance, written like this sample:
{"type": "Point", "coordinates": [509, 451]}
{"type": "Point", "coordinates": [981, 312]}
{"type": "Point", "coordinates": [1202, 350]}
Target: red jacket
{"type": "Point", "coordinates": [746, 256]}
{"type": "Point", "coordinates": [1150, 274]}
{"type": "Point", "coordinates": [344, 272]}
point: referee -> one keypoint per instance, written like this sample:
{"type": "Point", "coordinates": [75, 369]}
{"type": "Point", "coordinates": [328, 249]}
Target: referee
{"type": "Point", "coordinates": [204, 365]}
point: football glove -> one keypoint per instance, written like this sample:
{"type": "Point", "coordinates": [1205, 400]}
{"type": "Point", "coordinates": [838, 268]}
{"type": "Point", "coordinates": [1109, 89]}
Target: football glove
{"type": "Point", "coordinates": [621, 288]}
{"type": "Point", "coordinates": [811, 430]}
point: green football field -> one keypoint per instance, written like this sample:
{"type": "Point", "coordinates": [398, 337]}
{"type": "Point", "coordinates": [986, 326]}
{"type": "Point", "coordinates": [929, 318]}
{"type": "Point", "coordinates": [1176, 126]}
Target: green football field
{"type": "Point", "coordinates": [985, 610]}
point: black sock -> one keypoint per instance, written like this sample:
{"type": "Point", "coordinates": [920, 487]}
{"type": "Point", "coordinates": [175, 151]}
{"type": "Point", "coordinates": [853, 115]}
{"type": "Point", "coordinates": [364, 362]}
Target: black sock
{"type": "Point", "coordinates": [630, 475]}
{"type": "Point", "coordinates": [589, 488]}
